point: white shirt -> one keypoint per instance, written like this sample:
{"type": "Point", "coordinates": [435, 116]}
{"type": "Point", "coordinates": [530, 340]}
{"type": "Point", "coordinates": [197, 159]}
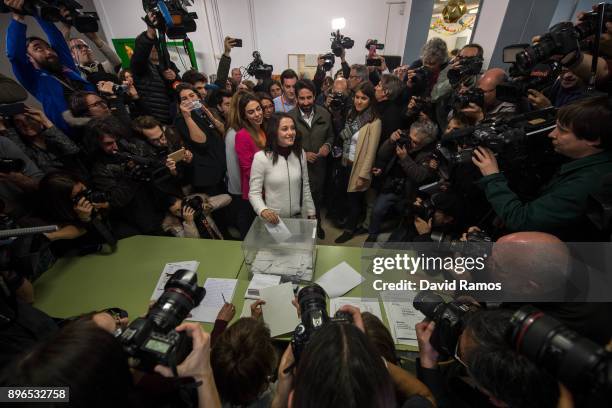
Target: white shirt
{"type": "Point", "coordinates": [234, 185]}
{"type": "Point", "coordinates": [281, 183]}
{"type": "Point", "coordinates": [353, 146]}
{"type": "Point", "coordinates": [308, 118]}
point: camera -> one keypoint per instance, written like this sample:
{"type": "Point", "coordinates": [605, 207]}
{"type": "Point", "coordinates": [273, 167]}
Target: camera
{"type": "Point", "coordinates": [328, 61]}
{"type": "Point", "coordinates": [337, 102]}
{"type": "Point", "coordinates": [151, 340]}
{"type": "Point", "coordinates": [449, 319]}
{"type": "Point", "coordinates": [313, 306]}
{"type": "Point", "coordinates": [94, 197]}
{"type": "Point", "coordinates": [11, 165]}
{"type": "Point", "coordinates": [119, 89]}
{"type": "Point", "coordinates": [478, 243]}
{"type": "Point", "coordinates": [469, 66]}
{"type": "Point", "coordinates": [196, 203]}
{"type": "Point", "coordinates": [578, 362]}
{"type": "Point", "coordinates": [374, 44]}
{"type": "Point", "coordinates": [404, 139]}
{"type": "Point", "coordinates": [258, 69]}
{"type": "Point", "coordinates": [140, 168]}
{"type": "Point", "coordinates": [420, 105]}
{"type": "Point", "coordinates": [425, 210]}
{"type": "Point", "coordinates": [340, 43]}
{"type": "Point", "coordinates": [172, 17]}
{"type": "Point", "coordinates": [461, 101]}
{"type": "Point", "coordinates": [420, 80]}
{"type": "Point", "coordinates": [49, 10]}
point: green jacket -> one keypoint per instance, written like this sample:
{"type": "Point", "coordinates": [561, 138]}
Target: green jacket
{"type": "Point", "coordinates": [561, 207]}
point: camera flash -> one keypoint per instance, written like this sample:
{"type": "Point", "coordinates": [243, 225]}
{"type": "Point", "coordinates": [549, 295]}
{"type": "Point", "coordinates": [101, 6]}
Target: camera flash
{"type": "Point", "coordinates": [338, 23]}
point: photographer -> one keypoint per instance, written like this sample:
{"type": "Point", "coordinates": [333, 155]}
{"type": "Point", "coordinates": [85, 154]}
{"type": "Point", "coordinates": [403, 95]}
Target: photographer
{"type": "Point", "coordinates": [582, 135]}
{"type": "Point", "coordinates": [503, 377]}
{"type": "Point", "coordinates": [45, 69]}
{"type": "Point", "coordinates": [85, 106]}
{"type": "Point", "coordinates": [388, 92]}
{"type": "Point", "coordinates": [198, 129]}
{"type": "Point", "coordinates": [467, 54]}
{"type": "Point", "coordinates": [122, 170]}
{"type": "Point", "coordinates": [153, 79]}
{"type": "Point", "coordinates": [320, 74]}
{"type": "Point", "coordinates": [44, 143]}
{"type": "Point", "coordinates": [358, 74]}
{"type": "Point", "coordinates": [423, 74]}
{"type": "Point", "coordinates": [566, 89]}
{"type": "Point", "coordinates": [407, 165]}
{"type": "Point", "coordinates": [78, 211]}
{"type": "Point", "coordinates": [287, 101]}
{"type": "Point", "coordinates": [185, 221]}
{"type": "Point", "coordinates": [493, 108]}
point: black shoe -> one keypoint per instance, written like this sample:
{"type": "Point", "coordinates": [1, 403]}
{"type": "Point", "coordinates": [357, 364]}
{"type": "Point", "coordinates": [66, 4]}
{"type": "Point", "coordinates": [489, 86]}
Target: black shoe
{"type": "Point", "coordinates": [346, 235]}
{"type": "Point", "coordinates": [320, 233]}
{"type": "Point", "coordinates": [372, 238]}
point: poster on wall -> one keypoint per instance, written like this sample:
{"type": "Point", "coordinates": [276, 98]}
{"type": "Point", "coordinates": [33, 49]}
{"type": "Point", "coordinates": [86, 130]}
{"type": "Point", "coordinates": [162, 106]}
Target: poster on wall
{"type": "Point", "coordinates": [176, 50]}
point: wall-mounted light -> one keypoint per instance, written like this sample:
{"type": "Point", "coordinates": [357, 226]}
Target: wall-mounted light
{"type": "Point", "coordinates": [338, 23]}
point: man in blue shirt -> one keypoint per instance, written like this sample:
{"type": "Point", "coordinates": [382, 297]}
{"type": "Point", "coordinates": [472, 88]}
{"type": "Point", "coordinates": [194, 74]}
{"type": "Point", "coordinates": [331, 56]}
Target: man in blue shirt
{"type": "Point", "coordinates": [287, 100]}
{"type": "Point", "coordinates": [45, 69]}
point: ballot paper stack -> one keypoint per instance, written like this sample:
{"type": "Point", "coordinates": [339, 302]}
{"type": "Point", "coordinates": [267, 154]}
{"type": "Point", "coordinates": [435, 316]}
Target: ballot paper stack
{"type": "Point", "coordinates": [287, 249]}
{"type": "Point", "coordinates": [401, 316]}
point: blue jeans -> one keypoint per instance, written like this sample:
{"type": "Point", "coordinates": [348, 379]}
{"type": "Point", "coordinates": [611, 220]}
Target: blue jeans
{"type": "Point", "coordinates": [384, 203]}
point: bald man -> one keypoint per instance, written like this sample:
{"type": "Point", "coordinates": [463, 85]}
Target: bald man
{"type": "Point", "coordinates": [493, 108]}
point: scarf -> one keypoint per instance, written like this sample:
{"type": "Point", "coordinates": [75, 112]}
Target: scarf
{"type": "Point", "coordinates": [351, 127]}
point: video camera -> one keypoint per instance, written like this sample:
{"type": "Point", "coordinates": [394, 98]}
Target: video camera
{"type": "Point", "coordinates": [312, 301]}
{"type": "Point", "coordinates": [374, 44]}
{"type": "Point", "coordinates": [564, 38]}
{"type": "Point", "coordinates": [258, 69]}
{"type": "Point", "coordinates": [449, 319]}
{"type": "Point", "coordinates": [578, 362]}
{"type": "Point", "coordinates": [50, 10]}
{"type": "Point", "coordinates": [541, 77]}
{"type": "Point", "coordinates": [328, 61]}
{"type": "Point", "coordinates": [152, 340]}
{"type": "Point", "coordinates": [469, 66]}
{"type": "Point", "coordinates": [340, 43]}
{"type": "Point", "coordinates": [173, 19]}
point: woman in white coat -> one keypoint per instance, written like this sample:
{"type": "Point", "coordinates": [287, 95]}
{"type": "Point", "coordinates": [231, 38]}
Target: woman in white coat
{"type": "Point", "coordinates": [279, 175]}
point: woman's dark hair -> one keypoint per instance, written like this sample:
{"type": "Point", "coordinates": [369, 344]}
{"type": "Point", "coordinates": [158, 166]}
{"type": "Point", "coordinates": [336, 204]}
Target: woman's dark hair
{"type": "Point", "coordinates": [244, 121]}
{"type": "Point", "coordinates": [264, 95]}
{"type": "Point", "coordinates": [341, 368]}
{"type": "Point", "coordinates": [83, 357]}
{"type": "Point", "coordinates": [272, 146]}
{"type": "Point", "coordinates": [274, 82]}
{"type": "Point", "coordinates": [380, 337]}
{"type": "Point", "coordinates": [55, 189]}
{"type": "Point", "coordinates": [589, 119]}
{"type": "Point", "coordinates": [243, 359]}
{"type": "Point", "coordinates": [78, 103]}
{"type": "Point", "coordinates": [123, 73]}
{"type": "Point", "coordinates": [367, 89]}
{"type": "Point", "coordinates": [183, 86]}
{"type": "Point", "coordinates": [96, 129]}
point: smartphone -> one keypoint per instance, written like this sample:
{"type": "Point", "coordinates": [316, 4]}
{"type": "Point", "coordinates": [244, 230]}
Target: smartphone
{"type": "Point", "coordinates": [11, 109]}
{"type": "Point", "coordinates": [177, 156]}
{"type": "Point", "coordinates": [237, 42]}
{"type": "Point", "coordinates": [373, 62]}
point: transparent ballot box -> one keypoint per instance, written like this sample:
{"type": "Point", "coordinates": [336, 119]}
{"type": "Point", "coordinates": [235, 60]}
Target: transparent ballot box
{"type": "Point", "coordinates": [288, 251]}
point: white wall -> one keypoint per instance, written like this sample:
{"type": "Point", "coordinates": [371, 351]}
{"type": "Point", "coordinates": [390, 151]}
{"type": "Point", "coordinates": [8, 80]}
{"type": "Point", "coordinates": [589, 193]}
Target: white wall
{"type": "Point", "coordinates": [489, 23]}
{"type": "Point", "coordinates": [280, 27]}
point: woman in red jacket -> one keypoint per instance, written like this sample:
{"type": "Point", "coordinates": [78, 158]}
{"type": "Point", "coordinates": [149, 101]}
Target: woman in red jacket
{"type": "Point", "coordinates": [249, 140]}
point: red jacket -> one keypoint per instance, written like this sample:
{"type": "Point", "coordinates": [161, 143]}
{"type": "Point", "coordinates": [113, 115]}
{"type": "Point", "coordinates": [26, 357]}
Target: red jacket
{"type": "Point", "coordinates": [245, 150]}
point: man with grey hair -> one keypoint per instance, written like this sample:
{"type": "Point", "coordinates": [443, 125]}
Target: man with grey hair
{"type": "Point", "coordinates": [387, 94]}
{"type": "Point", "coordinates": [434, 57]}
{"type": "Point", "coordinates": [359, 73]}
{"type": "Point", "coordinates": [408, 165]}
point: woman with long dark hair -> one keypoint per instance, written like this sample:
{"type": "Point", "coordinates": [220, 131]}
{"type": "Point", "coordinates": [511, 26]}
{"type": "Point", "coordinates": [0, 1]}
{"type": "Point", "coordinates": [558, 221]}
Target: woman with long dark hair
{"type": "Point", "coordinates": [250, 139]}
{"type": "Point", "coordinates": [281, 171]}
{"type": "Point", "coordinates": [360, 138]}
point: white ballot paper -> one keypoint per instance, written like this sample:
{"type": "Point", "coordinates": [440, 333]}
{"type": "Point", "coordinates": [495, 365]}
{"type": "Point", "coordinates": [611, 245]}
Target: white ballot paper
{"type": "Point", "coordinates": [218, 291]}
{"type": "Point", "coordinates": [258, 282]}
{"type": "Point", "coordinates": [402, 316]}
{"type": "Point", "coordinates": [170, 270]}
{"type": "Point", "coordinates": [364, 304]}
{"type": "Point", "coordinates": [278, 312]}
{"type": "Point", "coordinates": [339, 280]}
{"type": "Point", "coordinates": [279, 231]}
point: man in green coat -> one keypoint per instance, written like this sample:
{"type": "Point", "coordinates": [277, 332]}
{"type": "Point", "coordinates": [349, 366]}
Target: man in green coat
{"type": "Point", "coordinates": [583, 135]}
{"type": "Point", "coordinates": [314, 128]}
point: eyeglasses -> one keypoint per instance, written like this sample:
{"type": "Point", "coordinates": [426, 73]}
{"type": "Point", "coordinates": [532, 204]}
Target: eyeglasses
{"type": "Point", "coordinates": [98, 104]}
{"type": "Point", "coordinates": [81, 47]}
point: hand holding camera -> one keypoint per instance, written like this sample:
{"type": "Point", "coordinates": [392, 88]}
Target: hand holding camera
{"type": "Point", "coordinates": [427, 354]}
{"type": "Point", "coordinates": [401, 151]}
{"type": "Point", "coordinates": [188, 214]}
{"type": "Point", "coordinates": [84, 208]}
{"type": "Point", "coordinates": [485, 160]}
{"type": "Point", "coordinates": [229, 43]}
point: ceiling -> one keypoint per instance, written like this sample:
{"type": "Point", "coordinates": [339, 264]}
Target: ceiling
{"type": "Point", "coordinates": [440, 4]}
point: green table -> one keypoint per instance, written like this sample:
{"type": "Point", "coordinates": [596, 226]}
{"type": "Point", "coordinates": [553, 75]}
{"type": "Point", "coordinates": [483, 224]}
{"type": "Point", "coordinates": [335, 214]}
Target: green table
{"type": "Point", "coordinates": [126, 278]}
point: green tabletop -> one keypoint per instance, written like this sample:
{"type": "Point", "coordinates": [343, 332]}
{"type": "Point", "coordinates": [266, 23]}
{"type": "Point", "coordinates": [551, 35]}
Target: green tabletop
{"type": "Point", "coordinates": [126, 278]}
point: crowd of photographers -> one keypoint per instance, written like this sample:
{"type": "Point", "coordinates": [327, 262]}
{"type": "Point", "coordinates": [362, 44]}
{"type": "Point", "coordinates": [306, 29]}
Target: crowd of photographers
{"type": "Point", "coordinates": [434, 151]}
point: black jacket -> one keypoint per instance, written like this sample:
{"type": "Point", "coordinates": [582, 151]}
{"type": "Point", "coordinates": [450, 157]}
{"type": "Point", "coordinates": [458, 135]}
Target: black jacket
{"type": "Point", "coordinates": [155, 93]}
{"type": "Point", "coordinates": [392, 117]}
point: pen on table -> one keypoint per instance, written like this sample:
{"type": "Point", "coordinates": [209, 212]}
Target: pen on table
{"type": "Point", "coordinates": [224, 301]}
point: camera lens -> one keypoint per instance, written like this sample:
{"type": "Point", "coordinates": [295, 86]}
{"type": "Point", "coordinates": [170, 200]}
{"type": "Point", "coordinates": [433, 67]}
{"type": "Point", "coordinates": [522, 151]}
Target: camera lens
{"type": "Point", "coordinates": [312, 301]}
{"type": "Point", "coordinates": [427, 302]}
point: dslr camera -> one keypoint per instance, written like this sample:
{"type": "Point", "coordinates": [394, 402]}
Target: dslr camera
{"type": "Point", "coordinates": [312, 301]}
{"type": "Point", "coordinates": [420, 80]}
{"type": "Point", "coordinates": [404, 139]}
{"type": "Point", "coordinates": [94, 197]}
{"type": "Point", "coordinates": [340, 43]}
{"type": "Point", "coordinates": [328, 61]}
{"type": "Point", "coordinates": [49, 10]}
{"type": "Point", "coordinates": [338, 101]}
{"type": "Point", "coordinates": [172, 17]}
{"type": "Point", "coordinates": [258, 69]}
{"type": "Point", "coordinates": [449, 318]}
{"type": "Point", "coordinates": [152, 340]}
{"type": "Point", "coordinates": [469, 66]}
{"type": "Point", "coordinates": [460, 101]}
